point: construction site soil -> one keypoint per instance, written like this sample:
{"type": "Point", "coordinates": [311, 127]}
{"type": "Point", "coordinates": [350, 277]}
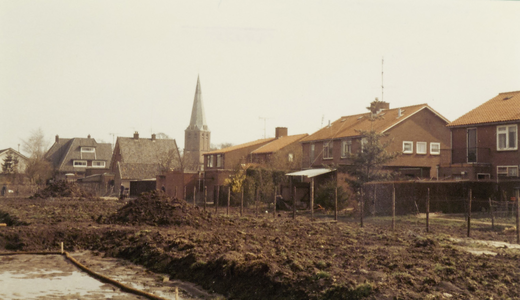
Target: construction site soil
{"type": "Point", "coordinates": [273, 258]}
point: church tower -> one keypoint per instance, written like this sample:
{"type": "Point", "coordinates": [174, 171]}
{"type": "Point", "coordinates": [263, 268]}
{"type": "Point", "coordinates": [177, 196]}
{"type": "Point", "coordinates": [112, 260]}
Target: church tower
{"type": "Point", "coordinates": [197, 135]}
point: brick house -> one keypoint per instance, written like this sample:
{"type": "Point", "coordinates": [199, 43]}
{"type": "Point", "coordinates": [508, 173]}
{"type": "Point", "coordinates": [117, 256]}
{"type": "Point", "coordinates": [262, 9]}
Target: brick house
{"type": "Point", "coordinates": [76, 158]}
{"type": "Point", "coordinates": [284, 151]}
{"type": "Point", "coordinates": [141, 159]}
{"type": "Point", "coordinates": [485, 141]}
{"type": "Point", "coordinates": [418, 131]}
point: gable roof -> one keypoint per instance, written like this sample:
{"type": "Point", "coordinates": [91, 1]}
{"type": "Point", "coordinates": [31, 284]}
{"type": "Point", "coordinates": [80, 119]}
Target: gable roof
{"type": "Point", "coordinates": [259, 142]}
{"type": "Point", "coordinates": [502, 108]}
{"type": "Point", "coordinates": [348, 126]}
{"type": "Point", "coordinates": [7, 150]}
{"type": "Point", "coordinates": [64, 151]}
{"type": "Point", "coordinates": [144, 151]}
{"type": "Point", "coordinates": [279, 143]}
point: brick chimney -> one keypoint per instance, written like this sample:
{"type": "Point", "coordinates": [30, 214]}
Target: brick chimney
{"type": "Point", "coordinates": [136, 135]}
{"type": "Point", "coordinates": [57, 138]}
{"type": "Point", "coordinates": [153, 136]}
{"type": "Point", "coordinates": [281, 132]}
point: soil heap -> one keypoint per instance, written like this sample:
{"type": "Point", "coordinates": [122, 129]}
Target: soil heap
{"type": "Point", "coordinates": [62, 188]}
{"type": "Point", "coordinates": [157, 209]}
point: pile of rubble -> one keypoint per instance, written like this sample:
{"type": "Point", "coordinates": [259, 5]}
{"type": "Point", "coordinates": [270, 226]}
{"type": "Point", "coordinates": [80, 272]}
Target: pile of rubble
{"type": "Point", "coordinates": [62, 188]}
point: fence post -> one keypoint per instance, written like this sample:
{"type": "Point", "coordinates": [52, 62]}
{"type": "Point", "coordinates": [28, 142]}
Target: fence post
{"type": "Point", "coordinates": [517, 190]}
{"type": "Point", "coordinates": [469, 212]}
{"type": "Point", "coordinates": [294, 203]}
{"type": "Point", "coordinates": [312, 198]}
{"type": "Point", "coordinates": [216, 200]}
{"type": "Point", "coordinates": [274, 207]}
{"type": "Point", "coordinates": [241, 201]}
{"type": "Point", "coordinates": [194, 195]}
{"type": "Point", "coordinates": [361, 207]}
{"type": "Point", "coordinates": [205, 197]}
{"type": "Point", "coordinates": [184, 195]}
{"type": "Point", "coordinates": [256, 202]}
{"type": "Point", "coordinates": [492, 214]}
{"type": "Point", "coordinates": [428, 212]}
{"type": "Point", "coordinates": [393, 209]}
{"type": "Point", "coordinates": [228, 199]}
{"type": "Point", "coordinates": [336, 203]}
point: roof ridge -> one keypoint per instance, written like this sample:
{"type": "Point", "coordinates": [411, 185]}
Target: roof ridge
{"type": "Point", "coordinates": [509, 92]}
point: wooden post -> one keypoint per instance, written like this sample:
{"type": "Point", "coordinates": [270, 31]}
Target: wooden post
{"type": "Point", "coordinates": [176, 293]}
{"type": "Point", "coordinates": [469, 213]}
{"type": "Point", "coordinates": [312, 198]}
{"type": "Point", "coordinates": [228, 199]}
{"type": "Point", "coordinates": [336, 203]}
{"type": "Point", "coordinates": [241, 201]}
{"type": "Point", "coordinates": [205, 197]}
{"type": "Point", "coordinates": [274, 207]}
{"type": "Point", "coordinates": [184, 193]}
{"type": "Point", "coordinates": [217, 199]}
{"type": "Point", "coordinates": [361, 207]}
{"type": "Point", "coordinates": [517, 216]}
{"type": "Point", "coordinates": [194, 195]}
{"type": "Point", "coordinates": [256, 202]}
{"type": "Point", "coordinates": [492, 214]}
{"type": "Point", "coordinates": [393, 209]}
{"type": "Point", "coordinates": [428, 212]}
{"type": "Point", "coordinates": [61, 244]}
{"type": "Point", "coordinates": [375, 200]}
{"type": "Point", "coordinates": [294, 203]}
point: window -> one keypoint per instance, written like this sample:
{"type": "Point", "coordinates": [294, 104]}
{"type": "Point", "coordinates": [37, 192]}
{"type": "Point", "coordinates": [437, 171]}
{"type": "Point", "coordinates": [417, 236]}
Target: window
{"type": "Point", "coordinates": [507, 137]}
{"type": "Point", "coordinates": [363, 144]}
{"type": "Point", "coordinates": [79, 163]}
{"type": "Point", "coordinates": [421, 148]}
{"type": "Point", "coordinates": [435, 148]}
{"type": "Point", "coordinates": [346, 148]}
{"type": "Point", "coordinates": [311, 155]}
{"type": "Point", "coordinates": [98, 164]}
{"type": "Point", "coordinates": [219, 160]}
{"type": "Point", "coordinates": [327, 150]}
{"type": "Point", "coordinates": [88, 149]}
{"type": "Point", "coordinates": [507, 171]}
{"type": "Point", "coordinates": [210, 161]}
{"type": "Point", "coordinates": [290, 157]}
{"type": "Point", "coordinates": [407, 147]}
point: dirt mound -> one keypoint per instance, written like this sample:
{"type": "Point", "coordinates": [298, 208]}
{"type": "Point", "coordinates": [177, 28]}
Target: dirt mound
{"type": "Point", "coordinates": [62, 189]}
{"type": "Point", "coordinates": [10, 220]}
{"type": "Point", "coordinates": [157, 209]}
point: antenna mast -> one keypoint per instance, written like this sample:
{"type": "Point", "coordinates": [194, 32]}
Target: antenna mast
{"type": "Point", "coordinates": [382, 86]}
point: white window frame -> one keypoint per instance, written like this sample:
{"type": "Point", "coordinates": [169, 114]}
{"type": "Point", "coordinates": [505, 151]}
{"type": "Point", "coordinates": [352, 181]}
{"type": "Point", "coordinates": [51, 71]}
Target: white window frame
{"type": "Point", "coordinates": [505, 132]}
{"type": "Point", "coordinates": [508, 172]}
{"type": "Point", "coordinates": [346, 148]}
{"type": "Point", "coordinates": [328, 150]}
{"type": "Point", "coordinates": [311, 152]}
{"type": "Point", "coordinates": [411, 147]}
{"type": "Point", "coordinates": [422, 144]}
{"type": "Point", "coordinates": [362, 143]}
{"type": "Point", "coordinates": [432, 151]}
{"type": "Point", "coordinates": [210, 161]}
{"type": "Point", "coordinates": [81, 163]}
{"type": "Point", "coordinates": [98, 166]}
{"type": "Point", "coordinates": [290, 157]}
{"type": "Point", "coordinates": [88, 149]}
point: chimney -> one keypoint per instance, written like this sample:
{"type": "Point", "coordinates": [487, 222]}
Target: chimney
{"type": "Point", "coordinates": [57, 138]}
{"type": "Point", "coordinates": [399, 112]}
{"type": "Point", "coordinates": [88, 136]}
{"type": "Point", "coordinates": [280, 132]}
{"type": "Point", "coordinates": [153, 136]}
{"type": "Point", "coordinates": [136, 135]}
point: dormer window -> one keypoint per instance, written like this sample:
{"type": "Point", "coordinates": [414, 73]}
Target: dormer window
{"type": "Point", "coordinates": [79, 163]}
{"type": "Point", "coordinates": [98, 164]}
{"type": "Point", "coordinates": [88, 149]}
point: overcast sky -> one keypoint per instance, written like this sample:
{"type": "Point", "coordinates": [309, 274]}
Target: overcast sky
{"type": "Point", "coordinates": [109, 68]}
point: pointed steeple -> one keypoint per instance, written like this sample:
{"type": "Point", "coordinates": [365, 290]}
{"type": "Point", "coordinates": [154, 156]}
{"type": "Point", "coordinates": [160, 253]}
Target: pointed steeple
{"type": "Point", "coordinates": [198, 118]}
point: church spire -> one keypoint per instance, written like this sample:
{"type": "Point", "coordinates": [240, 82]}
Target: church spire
{"type": "Point", "coordinates": [198, 118]}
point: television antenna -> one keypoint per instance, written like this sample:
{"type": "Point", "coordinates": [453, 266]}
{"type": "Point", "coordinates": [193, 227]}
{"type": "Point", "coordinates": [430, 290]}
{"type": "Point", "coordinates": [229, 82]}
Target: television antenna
{"type": "Point", "coordinates": [264, 118]}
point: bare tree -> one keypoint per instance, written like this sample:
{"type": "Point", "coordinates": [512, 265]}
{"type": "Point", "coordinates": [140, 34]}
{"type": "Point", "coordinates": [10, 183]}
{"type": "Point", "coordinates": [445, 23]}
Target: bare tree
{"type": "Point", "coordinates": [37, 169]}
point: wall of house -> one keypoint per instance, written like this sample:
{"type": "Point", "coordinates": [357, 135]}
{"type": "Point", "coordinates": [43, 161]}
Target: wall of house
{"type": "Point", "coordinates": [176, 184]}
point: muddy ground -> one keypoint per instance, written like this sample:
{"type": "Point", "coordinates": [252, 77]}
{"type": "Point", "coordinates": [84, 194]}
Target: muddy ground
{"type": "Point", "coordinates": [266, 258]}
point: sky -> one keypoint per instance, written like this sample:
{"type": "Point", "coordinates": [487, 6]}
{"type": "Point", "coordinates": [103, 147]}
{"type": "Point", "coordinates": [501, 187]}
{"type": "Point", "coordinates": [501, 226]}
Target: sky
{"type": "Point", "coordinates": [110, 68]}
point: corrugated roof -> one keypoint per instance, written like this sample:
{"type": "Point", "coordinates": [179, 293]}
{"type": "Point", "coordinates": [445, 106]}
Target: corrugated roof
{"type": "Point", "coordinates": [279, 143]}
{"type": "Point", "coordinates": [236, 147]}
{"type": "Point", "coordinates": [311, 172]}
{"type": "Point", "coordinates": [348, 126]}
{"type": "Point", "coordinates": [502, 108]}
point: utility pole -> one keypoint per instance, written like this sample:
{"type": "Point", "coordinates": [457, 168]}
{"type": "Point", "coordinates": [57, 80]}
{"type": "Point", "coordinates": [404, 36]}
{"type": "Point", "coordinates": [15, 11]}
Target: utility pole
{"type": "Point", "coordinates": [382, 86]}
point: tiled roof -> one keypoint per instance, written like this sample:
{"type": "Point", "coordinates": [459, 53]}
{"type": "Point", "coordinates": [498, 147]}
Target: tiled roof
{"type": "Point", "coordinates": [504, 107]}
{"type": "Point", "coordinates": [65, 151]}
{"type": "Point", "coordinates": [348, 126]}
{"type": "Point", "coordinates": [236, 147]}
{"type": "Point", "coordinates": [144, 151]}
{"type": "Point", "coordinates": [134, 171]}
{"type": "Point", "coordinates": [279, 143]}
